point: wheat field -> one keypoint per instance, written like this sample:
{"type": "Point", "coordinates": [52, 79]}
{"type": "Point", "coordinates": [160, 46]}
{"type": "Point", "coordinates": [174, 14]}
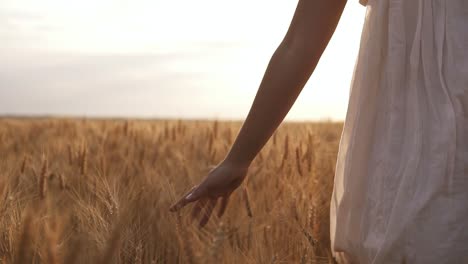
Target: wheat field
{"type": "Point", "coordinates": [99, 191]}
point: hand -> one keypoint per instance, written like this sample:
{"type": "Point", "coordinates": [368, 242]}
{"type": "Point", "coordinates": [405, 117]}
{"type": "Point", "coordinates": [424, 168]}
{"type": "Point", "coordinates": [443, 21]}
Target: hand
{"type": "Point", "coordinates": [220, 183]}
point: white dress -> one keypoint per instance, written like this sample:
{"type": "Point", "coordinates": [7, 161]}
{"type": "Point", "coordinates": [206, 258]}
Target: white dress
{"type": "Point", "coordinates": [401, 184]}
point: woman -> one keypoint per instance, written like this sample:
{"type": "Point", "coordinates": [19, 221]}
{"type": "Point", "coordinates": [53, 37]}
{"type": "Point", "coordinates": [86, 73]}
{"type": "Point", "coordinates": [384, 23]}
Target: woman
{"type": "Point", "coordinates": [401, 183]}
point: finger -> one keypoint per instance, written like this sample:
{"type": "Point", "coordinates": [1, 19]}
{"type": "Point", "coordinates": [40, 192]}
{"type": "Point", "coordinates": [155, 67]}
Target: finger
{"type": "Point", "coordinates": [224, 202]}
{"type": "Point", "coordinates": [181, 202]}
{"type": "Point", "coordinates": [207, 212]}
{"type": "Point", "coordinates": [198, 207]}
{"type": "Point", "coordinates": [187, 198]}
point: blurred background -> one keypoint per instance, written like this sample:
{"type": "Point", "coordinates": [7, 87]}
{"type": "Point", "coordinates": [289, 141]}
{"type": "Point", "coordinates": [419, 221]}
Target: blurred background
{"type": "Point", "coordinates": [159, 59]}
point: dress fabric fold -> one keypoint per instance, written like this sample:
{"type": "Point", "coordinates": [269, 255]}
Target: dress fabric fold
{"type": "Point", "coordinates": [401, 181]}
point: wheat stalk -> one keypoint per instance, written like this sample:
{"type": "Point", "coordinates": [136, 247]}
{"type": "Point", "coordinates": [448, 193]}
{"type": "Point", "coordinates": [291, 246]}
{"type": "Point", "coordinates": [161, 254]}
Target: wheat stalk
{"type": "Point", "coordinates": [285, 152]}
{"type": "Point", "coordinates": [126, 128]}
{"type": "Point", "coordinates": [113, 244]}
{"type": "Point", "coordinates": [211, 141]}
{"type": "Point", "coordinates": [174, 134]}
{"type": "Point", "coordinates": [70, 154]}
{"type": "Point", "coordinates": [139, 253]}
{"type": "Point", "coordinates": [83, 159]}
{"type": "Point", "coordinates": [24, 164]}
{"type": "Point", "coordinates": [183, 237]}
{"type": "Point", "coordinates": [298, 161]}
{"type": "Point", "coordinates": [52, 237]}
{"type": "Point", "coordinates": [43, 178]}
{"type": "Point", "coordinates": [62, 181]}
{"type": "Point", "coordinates": [245, 196]}
{"type": "Point", "coordinates": [24, 245]}
{"type": "Point", "coordinates": [215, 247]}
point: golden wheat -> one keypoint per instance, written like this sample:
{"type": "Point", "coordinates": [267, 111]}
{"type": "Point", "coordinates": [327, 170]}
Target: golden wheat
{"type": "Point", "coordinates": [134, 170]}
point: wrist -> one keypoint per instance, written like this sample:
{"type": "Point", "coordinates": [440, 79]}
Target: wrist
{"type": "Point", "coordinates": [237, 161]}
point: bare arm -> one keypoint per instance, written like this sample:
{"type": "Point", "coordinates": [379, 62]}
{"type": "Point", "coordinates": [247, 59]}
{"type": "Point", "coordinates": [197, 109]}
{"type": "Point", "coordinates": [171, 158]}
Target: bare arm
{"type": "Point", "coordinates": [289, 69]}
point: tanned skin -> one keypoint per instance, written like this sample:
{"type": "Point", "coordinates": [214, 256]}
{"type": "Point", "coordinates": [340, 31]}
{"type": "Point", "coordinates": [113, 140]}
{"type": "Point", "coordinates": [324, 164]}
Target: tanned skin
{"type": "Point", "coordinates": [290, 67]}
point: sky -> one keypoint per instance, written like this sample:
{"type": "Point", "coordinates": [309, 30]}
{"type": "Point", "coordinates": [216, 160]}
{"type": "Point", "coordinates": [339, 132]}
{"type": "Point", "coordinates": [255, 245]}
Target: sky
{"type": "Point", "coordinates": [160, 59]}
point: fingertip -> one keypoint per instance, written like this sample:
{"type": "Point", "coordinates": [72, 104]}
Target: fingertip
{"type": "Point", "coordinates": [203, 222]}
{"type": "Point", "coordinates": [221, 213]}
{"type": "Point", "coordinates": [198, 208]}
{"type": "Point", "coordinates": [222, 208]}
{"type": "Point", "coordinates": [178, 205]}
